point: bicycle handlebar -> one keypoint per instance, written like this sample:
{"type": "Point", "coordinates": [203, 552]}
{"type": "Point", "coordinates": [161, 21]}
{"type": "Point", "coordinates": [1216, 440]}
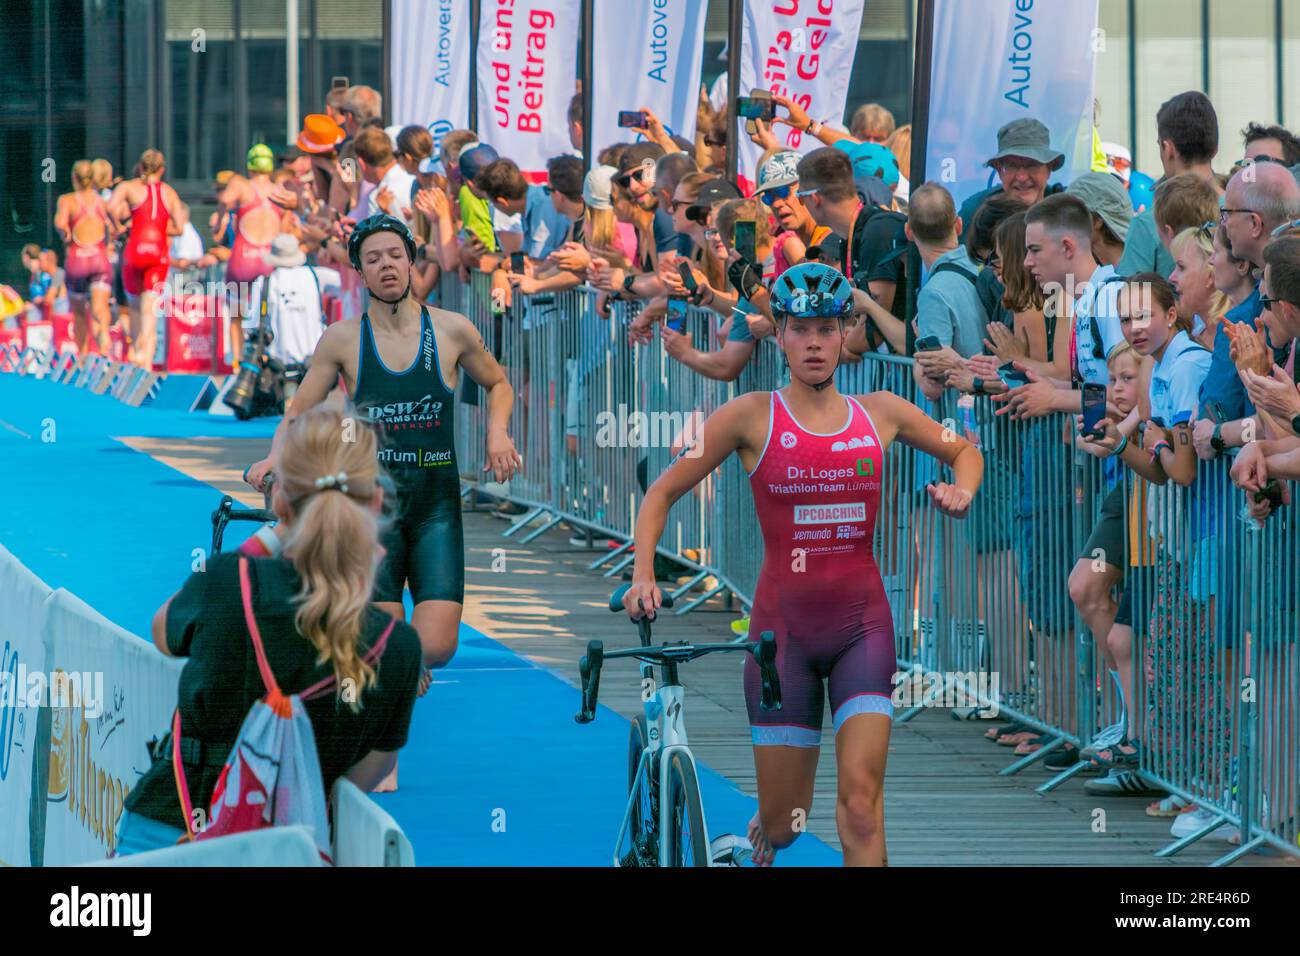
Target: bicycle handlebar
{"type": "Point", "coordinates": [616, 599]}
{"type": "Point", "coordinates": [763, 650]}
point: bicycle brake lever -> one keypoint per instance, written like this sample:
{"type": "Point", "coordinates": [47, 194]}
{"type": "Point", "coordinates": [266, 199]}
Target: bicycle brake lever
{"type": "Point", "coordinates": [589, 670]}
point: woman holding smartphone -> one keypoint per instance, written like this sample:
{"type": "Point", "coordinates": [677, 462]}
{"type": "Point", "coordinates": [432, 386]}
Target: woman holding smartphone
{"type": "Point", "coordinates": [815, 460]}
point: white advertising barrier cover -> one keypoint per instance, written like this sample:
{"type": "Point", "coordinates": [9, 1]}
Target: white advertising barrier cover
{"type": "Point", "coordinates": [527, 70]}
{"type": "Point", "coordinates": [22, 662]}
{"type": "Point", "coordinates": [995, 61]}
{"type": "Point", "coordinates": [121, 692]}
{"type": "Point", "coordinates": [365, 834]}
{"type": "Point", "coordinates": [655, 49]}
{"type": "Point", "coordinates": [430, 63]}
{"type": "Point", "coordinates": [801, 49]}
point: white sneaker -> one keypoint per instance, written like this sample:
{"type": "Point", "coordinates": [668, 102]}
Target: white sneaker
{"type": "Point", "coordinates": [1188, 823]}
{"type": "Point", "coordinates": [730, 850]}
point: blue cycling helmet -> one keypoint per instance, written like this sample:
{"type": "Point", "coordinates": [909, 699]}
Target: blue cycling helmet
{"type": "Point", "coordinates": [811, 290]}
{"type": "Point", "coordinates": [380, 222]}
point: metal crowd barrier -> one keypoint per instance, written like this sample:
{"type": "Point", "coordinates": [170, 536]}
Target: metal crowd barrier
{"type": "Point", "coordinates": [985, 603]}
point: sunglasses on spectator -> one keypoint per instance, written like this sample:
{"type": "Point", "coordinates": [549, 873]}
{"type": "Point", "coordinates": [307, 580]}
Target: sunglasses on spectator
{"type": "Point", "coordinates": [1262, 158]}
{"type": "Point", "coordinates": [776, 192]}
{"type": "Point", "coordinates": [808, 192]}
{"type": "Point", "coordinates": [1286, 227]}
{"type": "Point", "coordinates": [710, 141]}
{"type": "Point", "coordinates": [1266, 302]}
{"type": "Point", "coordinates": [626, 179]}
{"type": "Point", "coordinates": [990, 259]}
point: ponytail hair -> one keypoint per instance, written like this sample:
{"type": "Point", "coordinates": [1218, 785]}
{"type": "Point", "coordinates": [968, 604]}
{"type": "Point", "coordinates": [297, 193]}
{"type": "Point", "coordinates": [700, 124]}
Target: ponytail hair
{"type": "Point", "coordinates": [328, 472]}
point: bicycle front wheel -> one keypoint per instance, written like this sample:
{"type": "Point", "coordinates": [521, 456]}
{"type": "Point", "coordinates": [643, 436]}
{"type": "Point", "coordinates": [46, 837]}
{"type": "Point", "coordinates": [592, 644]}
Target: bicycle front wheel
{"type": "Point", "coordinates": [690, 844]}
{"type": "Point", "coordinates": [644, 823]}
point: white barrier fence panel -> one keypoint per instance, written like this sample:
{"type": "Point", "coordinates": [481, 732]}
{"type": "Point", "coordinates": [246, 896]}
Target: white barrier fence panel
{"type": "Point", "coordinates": [122, 693]}
{"type": "Point", "coordinates": [364, 833]}
{"type": "Point", "coordinates": [275, 846]}
{"type": "Point", "coordinates": [22, 668]}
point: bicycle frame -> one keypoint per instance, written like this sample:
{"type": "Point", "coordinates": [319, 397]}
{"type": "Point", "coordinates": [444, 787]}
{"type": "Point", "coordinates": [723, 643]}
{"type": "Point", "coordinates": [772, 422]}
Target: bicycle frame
{"type": "Point", "coordinates": [666, 728]}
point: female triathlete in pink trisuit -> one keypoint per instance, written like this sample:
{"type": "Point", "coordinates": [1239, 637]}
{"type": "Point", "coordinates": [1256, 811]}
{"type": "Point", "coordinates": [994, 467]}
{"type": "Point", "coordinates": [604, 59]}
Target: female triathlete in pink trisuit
{"type": "Point", "coordinates": [255, 203]}
{"type": "Point", "coordinates": [82, 219]}
{"type": "Point", "coordinates": [815, 460]}
{"type": "Point", "coordinates": [154, 212]}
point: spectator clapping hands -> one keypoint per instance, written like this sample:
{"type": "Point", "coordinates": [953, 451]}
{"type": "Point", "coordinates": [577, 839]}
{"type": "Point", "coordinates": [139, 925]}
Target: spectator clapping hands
{"type": "Point", "coordinates": [1275, 394]}
{"type": "Point", "coordinates": [1004, 343]}
{"type": "Point", "coordinates": [1249, 348]}
{"type": "Point", "coordinates": [572, 256]}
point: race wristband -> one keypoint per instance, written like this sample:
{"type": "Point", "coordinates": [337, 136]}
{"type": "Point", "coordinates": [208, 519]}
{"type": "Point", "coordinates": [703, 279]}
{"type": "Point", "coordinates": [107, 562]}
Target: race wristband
{"type": "Point", "coordinates": [1160, 446]}
{"type": "Point", "coordinates": [1119, 449]}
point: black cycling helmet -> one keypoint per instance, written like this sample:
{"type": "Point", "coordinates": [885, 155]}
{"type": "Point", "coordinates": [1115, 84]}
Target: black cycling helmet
{"type": "Point", "coordinates": [381, 222]}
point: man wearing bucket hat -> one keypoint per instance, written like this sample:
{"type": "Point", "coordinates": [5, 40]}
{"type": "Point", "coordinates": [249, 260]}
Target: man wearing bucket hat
{"type": "Point", "coordinates": [294, 308]}
{"type": "Point", "coordinates": [1024, 162]}
{"type": "Point", "coordinates": [257, 208]}
{"type": "Point", "coordinates": [1112, 212]}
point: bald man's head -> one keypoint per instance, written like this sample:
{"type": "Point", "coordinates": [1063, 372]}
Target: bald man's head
{"type": "Point", "coordinates": [932, 215]}
{"type": "Point", "coordinates": [1270, 190]}
{"type": "Point", "coordinates": [1259, 198]}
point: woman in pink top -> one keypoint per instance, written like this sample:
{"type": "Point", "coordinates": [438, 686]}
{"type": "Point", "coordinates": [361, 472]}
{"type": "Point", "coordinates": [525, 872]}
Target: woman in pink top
{"type": "Point", "coordinates": [153, 210]}
{"type": "Point", "coordinates": [82, 219]}
{"type": "Point", "coordinates": [258, 207]}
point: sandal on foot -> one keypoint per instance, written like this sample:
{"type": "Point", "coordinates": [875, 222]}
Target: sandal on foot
{"type": "Point", "coordinates": [1117, 756]}
{"type": "Point", "coordinates": [993, 733]}
{"type": "Point", "coordinates": [1018, 738]}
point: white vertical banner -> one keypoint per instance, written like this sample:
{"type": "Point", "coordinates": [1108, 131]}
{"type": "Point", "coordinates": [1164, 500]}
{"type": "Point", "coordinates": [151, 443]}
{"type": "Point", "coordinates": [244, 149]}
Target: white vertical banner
{"type": "Point", "coordinates": [655, 48]}
{"type": "Point", "coordinates": [430, 63]}
{"type": "Point", "coordinates": [1034, 59]}
{"type": "Point", "coordinates": [527, 72]}
{"type": "Point", "coordinates": [801, 49]}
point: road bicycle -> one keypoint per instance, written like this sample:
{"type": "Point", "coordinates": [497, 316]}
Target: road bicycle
{"type": "Point", "coordinates": [663, 824]}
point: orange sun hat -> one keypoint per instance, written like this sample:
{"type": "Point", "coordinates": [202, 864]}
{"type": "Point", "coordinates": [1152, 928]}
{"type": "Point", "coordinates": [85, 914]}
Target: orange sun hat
{"type": "Point", "coordinates": [320, 134]}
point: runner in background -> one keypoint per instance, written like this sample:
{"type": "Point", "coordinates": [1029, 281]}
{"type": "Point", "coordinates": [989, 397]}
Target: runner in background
{"type": "Point", "coordinates": [153, 211]}
{"type": "Point", "coordinates": [257, 208]}
{"type": "Point", "coordinates": [83, 222]}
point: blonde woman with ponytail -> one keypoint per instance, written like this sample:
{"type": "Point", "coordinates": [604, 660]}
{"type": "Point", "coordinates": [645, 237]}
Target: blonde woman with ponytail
{"type": "Point", "coordinates": [312, 606]}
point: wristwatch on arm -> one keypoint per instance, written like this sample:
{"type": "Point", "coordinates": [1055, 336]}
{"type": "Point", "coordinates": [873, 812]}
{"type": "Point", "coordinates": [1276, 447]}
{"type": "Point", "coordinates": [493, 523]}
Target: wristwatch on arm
{"type": "Point", "coordinates": [1216, 439]}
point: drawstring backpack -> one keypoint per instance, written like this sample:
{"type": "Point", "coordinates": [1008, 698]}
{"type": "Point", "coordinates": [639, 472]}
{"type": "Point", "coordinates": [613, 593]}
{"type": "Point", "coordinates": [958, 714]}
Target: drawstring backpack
{"type": "Point", "coordinates": [272, 776]}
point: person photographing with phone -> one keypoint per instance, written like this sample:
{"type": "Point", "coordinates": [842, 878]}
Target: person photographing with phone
{"type": "Point", "coordinates": [825, 602]}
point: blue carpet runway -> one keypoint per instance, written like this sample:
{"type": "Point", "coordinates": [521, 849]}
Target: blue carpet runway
{"type": "Point", "coordinates": [496, 771]}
